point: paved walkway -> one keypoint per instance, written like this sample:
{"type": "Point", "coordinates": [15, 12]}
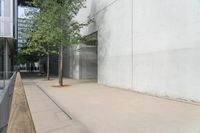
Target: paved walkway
{"type": "Point", "coordinates": [47, 116]}
{"type": "Point", "coordinates": [98, 109]}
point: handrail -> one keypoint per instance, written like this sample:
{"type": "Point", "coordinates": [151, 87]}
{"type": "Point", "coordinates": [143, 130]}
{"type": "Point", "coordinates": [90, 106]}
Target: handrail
{"type": "Point", "coordinates": [5, 102]}
{"type": "Point", "coordinates": [4, 77]}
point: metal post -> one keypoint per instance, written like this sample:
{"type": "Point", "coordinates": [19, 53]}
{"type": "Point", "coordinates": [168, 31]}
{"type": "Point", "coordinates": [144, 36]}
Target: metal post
{"type": "Point", "coordinates": [6, 59]}
{"type": "Point", "coordinates": [4, 84]}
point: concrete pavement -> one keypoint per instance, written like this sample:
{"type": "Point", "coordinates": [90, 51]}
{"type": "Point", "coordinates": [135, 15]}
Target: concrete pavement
{"type": "Point", "coordinates": [99, 109]}
{"type": "Point", "coordinates": [47, 116]}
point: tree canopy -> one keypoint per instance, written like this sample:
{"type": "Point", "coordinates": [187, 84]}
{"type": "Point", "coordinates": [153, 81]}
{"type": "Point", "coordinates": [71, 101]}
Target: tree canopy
{"type": "Point", "coordinates": [54, 23]}
{"type": "Point", "coordinates": [54, 26]}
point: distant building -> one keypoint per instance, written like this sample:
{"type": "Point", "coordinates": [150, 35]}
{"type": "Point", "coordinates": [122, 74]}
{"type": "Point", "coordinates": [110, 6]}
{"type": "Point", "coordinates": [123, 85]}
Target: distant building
{"type": "Point", "coordinates": [8, 34]}
{"type": "Point", "coordinates": [23, 25]}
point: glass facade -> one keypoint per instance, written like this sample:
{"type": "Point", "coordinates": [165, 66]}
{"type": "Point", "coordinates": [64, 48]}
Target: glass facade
{"type": "Point", "coordinates": [8, 18]}
{"type": "Point", "coordinates": [0, 7]}
{"type": "Point", "coordinates": [6, 60]}
{"type": "Point", "coordinates": [7, 35]}
{"type": "Point", "coordinates": [23, 25]}
{"type": "Point", "coordinates": [1, 63]}
{"type": "Point", "coordinates": [1, 55]}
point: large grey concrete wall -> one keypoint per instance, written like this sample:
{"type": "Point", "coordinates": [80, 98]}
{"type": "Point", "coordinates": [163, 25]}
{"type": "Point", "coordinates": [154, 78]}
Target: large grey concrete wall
{"type": "Point", "coordinates": [113, 22]}
{"type": "Point", "coordinates": [149, 46]}
{"type": "Point", "coordinates": [167, 48]}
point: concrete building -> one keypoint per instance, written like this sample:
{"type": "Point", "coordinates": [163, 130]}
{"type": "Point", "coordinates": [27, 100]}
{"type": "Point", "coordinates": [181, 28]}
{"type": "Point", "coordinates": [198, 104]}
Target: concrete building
{"type": "Point", "coordinates": [149, 46]}
{"type": "Point", "coordinates": [8, 34]}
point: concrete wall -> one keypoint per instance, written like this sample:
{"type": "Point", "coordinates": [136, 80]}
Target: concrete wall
{"type": "Point", "coordinates": [80, 62]}
{"type": "Point", "coordinates": [149, 46]}
{"type": "Point", "coordinates": [113, 19]}
{"type": "Point", "coordinates": [166, 48]}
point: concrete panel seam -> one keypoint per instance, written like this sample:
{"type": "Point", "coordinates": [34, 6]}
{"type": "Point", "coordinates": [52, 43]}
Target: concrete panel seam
{"type": "Point", "coordinates": [109, 5]}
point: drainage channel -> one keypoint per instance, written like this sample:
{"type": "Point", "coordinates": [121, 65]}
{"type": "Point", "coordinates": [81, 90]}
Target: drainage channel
{"type": "Point", "coordinates": [54, 101]}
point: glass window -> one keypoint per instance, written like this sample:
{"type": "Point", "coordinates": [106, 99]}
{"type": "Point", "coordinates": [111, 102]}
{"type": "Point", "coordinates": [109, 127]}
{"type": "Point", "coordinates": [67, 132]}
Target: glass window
{"type": "Point", "coordinates": [0, 7]}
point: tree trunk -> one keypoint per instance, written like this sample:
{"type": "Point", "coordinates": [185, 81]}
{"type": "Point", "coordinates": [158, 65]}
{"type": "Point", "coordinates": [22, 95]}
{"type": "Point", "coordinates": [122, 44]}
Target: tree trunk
{"type": "Point", "coordinates": [61, 66]}
{"type": "Point", "coordinates": [48, 60]}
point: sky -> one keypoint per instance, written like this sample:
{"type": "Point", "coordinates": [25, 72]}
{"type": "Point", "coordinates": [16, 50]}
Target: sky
{"type": "Point", "coordinates": [23, 10]}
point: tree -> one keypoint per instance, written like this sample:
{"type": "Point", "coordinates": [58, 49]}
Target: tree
{"type": "Point", "coordinates": [69, 27]}
{"type": "Point", "coordinates": [55, 25]}
{"type": "Point", "coordinates": [40, 36]}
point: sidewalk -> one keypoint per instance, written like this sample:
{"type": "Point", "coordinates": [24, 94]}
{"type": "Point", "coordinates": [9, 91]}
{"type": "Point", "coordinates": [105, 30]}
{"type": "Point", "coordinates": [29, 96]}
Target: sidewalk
{"type": "Point", "coordinates": [47, 116]}
{"type": "Point", "coordinates": [98, 109]}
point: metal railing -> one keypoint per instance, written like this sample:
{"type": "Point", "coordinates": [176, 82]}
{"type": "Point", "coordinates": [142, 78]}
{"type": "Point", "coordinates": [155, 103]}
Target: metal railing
{"type": "Point", "coordinates": [6, 93]}
{"type": "Point", "coordinates": [4, 78]}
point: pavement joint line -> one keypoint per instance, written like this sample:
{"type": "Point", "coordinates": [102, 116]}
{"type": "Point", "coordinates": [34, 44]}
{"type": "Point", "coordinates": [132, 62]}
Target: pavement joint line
{"type": "Point", "coordinates": [53, 101]}
{"type": "Point", "coordinates": [52, 130]}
